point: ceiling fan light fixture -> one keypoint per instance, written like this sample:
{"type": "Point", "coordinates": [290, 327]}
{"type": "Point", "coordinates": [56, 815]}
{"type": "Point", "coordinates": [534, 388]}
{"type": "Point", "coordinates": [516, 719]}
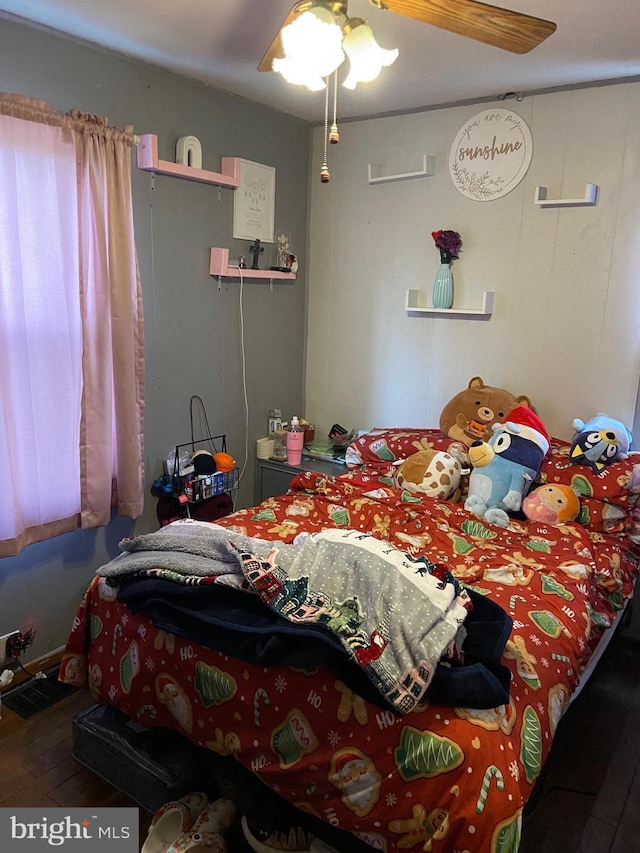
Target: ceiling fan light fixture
{"type": "Point", "coordinates": [312, 45]}
{"type": "Point", "coordinates": [366, 57]}
{"type": "Point", "coordinates": [298, 74]}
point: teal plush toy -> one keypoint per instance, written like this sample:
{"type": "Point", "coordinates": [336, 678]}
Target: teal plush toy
{"type": "Point", "coordinates": [599, 442]}
{"type": "Point", "coordinates": [505, 467]}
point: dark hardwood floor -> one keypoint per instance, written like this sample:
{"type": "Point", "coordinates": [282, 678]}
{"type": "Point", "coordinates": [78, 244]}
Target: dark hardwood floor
{"type": "Point", "coordinates": [37, 767]}
{"type": "Point", "coordinates": [588, 798]}
{"type": "Point", "coordinates": [587, 801]}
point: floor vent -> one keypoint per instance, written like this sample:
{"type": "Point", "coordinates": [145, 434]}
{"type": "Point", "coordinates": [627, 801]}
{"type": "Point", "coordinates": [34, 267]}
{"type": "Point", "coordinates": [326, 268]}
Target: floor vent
{"type": "Point", "coordinates": [36, 695]}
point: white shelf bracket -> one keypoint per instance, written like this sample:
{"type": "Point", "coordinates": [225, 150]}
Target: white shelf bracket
{"type": "Point", "coordinates": [590, 196]}
{"type": "Point", "coordinates": [271, 285]}
{"type": "Point", "coordinates": [428, 169]}
{"type": "Point", "coordinates": [416, 303]}
{"type": "Point", "coordinates": [219, 277]}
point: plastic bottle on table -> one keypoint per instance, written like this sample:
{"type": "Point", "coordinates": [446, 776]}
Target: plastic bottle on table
{"type": "Point", "coordinates": [275, 421]}
{"type": "Point", "coordinates": [295, 442]}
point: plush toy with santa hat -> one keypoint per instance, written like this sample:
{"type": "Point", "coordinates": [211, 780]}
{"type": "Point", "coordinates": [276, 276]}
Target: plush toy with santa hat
{"type": "Point", "coordinates": [505, 467]}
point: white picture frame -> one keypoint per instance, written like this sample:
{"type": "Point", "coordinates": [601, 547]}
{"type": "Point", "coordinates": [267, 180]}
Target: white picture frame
{"type": "Point", "coordinates": [254, 202]}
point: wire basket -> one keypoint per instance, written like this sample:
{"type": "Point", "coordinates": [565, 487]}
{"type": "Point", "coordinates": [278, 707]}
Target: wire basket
{"type": "Point", "coordinates": [209, 485]}
{"type": "Point", "coordinates": [194, 488]}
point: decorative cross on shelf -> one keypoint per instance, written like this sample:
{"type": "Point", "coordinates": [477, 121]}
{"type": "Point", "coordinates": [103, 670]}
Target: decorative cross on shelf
{"type": "Point", "coordinates": [257, 250]}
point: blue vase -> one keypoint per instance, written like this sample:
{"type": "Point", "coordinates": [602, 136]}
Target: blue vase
{"type": "Point", "coordinates": [443, 287]}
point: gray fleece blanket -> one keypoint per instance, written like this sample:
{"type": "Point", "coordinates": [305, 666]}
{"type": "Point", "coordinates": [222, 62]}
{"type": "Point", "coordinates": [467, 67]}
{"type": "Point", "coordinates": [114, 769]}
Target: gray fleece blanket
{"type": "Point", "coordinates": [393, 616]}
{"type": "Point", "coordinates": [186, 548]}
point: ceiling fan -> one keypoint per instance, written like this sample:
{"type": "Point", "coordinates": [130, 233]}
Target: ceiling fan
{"type": "Point", "coordinates": [503, 28]}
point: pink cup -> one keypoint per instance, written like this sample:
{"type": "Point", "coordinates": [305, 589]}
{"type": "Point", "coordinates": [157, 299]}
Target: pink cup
{"type": "Point", "coordinates": [295, 443]}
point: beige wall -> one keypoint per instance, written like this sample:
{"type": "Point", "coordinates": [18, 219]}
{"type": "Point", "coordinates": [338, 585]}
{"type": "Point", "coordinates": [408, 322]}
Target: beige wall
{"type": "Point", "coordinates": [566, 323]}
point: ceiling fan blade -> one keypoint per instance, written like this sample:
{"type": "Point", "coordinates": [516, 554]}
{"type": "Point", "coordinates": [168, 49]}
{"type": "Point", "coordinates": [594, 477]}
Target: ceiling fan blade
{"type": "Point", "coordinates": [489, 24]}
{"type": "Point", "coordinates": [275, 48]}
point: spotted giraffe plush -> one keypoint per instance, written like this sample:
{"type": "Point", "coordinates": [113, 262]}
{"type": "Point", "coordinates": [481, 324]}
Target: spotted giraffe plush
{"type": "Point", "coordinates": [434, 473]}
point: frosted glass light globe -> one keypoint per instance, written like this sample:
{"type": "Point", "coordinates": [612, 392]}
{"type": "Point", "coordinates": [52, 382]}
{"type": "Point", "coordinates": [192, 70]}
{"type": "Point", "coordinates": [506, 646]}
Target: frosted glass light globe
{"type": "Point", "coordinates": [312, 48]}
{"type": "Point", "coordinates": [366, 57]}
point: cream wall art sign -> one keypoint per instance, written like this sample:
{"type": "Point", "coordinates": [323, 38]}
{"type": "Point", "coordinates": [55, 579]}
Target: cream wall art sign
{"type": "Point", "coordinates": [254, 202]}
{"type": "Point", "coordinates": [490, 154]}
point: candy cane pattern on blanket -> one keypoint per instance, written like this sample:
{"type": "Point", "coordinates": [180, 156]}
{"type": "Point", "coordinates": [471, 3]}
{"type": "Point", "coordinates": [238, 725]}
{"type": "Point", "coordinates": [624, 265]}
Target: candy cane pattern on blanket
{"type": "Point", "coordinates": [564, 659]}
{"type": "Point", "coordinates": [117, 632]}
{"type": "Point", "coordinates": [513, 599]}
{"type": "Point", "coordinates": [259, 694]}
{"type": "Point", "coordinates": [489, 773]}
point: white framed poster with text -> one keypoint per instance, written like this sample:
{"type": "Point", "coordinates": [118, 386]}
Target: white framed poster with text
{"type": "Point", "coordinates": [254, 202]}
{"type": "Point", "coordinates": [490, 154]}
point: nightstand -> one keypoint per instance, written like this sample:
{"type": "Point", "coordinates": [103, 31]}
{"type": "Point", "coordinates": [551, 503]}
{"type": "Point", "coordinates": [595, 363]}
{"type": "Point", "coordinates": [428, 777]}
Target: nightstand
{"type": "Point", "coordinates": [272, 478]}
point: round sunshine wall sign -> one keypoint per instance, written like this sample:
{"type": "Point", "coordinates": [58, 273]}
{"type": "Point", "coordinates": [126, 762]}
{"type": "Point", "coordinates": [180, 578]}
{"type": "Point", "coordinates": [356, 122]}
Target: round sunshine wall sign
{"type": "Point", "coordinates": [490, 155]}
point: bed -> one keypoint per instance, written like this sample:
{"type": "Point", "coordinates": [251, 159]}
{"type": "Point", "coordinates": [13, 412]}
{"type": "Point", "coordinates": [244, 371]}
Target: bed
{"type": "Point", "coordinates": [451, 767]}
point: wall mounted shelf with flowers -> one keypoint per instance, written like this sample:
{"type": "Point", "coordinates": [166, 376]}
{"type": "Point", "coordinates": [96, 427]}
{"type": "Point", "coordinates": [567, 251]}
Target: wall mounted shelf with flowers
{"type": "Point", "coordinates": [416, 303]}
{"type": "Point", "coordinates": [448, 243]}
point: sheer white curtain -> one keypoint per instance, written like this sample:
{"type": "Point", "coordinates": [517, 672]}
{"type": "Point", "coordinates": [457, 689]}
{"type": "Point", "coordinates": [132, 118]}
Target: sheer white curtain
{"type": "Point", "coordinates": [71, 363]}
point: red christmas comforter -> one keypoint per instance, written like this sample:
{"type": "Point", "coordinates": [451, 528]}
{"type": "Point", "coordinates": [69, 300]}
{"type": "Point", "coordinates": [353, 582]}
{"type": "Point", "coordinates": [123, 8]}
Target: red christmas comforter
{"type": "Point", "coordinates": [439, 778]}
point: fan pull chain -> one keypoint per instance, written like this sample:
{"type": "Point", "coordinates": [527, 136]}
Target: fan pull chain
{"type": "Point", "coordinates": [325, 175]}
{"type": "Point", "coordinates": [334, 135]}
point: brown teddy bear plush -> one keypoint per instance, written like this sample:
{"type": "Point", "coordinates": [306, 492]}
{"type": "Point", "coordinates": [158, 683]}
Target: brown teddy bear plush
{"type": "Point", "coordinates": [469, 416]}
{"type": "Point", "coordinates": [434, 473]}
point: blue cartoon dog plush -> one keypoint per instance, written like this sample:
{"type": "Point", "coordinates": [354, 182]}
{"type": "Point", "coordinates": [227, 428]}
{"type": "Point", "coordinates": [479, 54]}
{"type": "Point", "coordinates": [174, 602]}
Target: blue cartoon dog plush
{"type": "Point", "coordinates": [505, 466]}
{"type": "Point", "coordinates": [599, 441]}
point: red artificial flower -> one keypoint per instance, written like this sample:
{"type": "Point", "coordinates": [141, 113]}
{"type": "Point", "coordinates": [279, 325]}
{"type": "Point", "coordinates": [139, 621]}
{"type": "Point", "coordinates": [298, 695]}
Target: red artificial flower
{"type": "Point", "coordinates": [448, 242]}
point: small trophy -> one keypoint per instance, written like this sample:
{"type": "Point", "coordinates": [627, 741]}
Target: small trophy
{"type": "Point", "coordinates": [282, 253]}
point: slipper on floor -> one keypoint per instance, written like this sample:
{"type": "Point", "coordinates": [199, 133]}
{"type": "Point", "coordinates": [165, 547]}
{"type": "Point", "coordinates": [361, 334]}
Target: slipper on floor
{"type": "Point", "coordinates": [172, 821]}
{"type": "Point", "coordinates": [205, 836]}
{"type": "Point", "coordinates": [292, 840]}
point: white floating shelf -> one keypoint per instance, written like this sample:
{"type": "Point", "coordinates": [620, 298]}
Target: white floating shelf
{"type": "Point", "coordinates": [590, 195]}
{"type": "Point", "coordinates": [428, 169]}
{"type": "Point", "coordinates": [147, 155]}
{"type": "Point", "coordinates": [416, 303]}
{"type": "Point", "coordinates": [219, 268]}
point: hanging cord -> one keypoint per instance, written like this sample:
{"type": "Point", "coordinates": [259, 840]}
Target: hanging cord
{"type": "Point", "coordinates": [325, 175]}
{"type": "Point", "coordinates": [38, 676]}
{"type": "Point", "coordinates": [334, 135]}
{"type": "Point", "coordinates": [244, 381]}
{"type": "Point", "coordinates": [152, 184]}
{"type": "Point", "coordinates": [203, 414]}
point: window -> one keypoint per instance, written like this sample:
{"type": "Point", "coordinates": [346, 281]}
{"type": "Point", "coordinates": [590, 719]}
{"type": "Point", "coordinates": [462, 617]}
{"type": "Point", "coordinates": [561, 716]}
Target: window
{"type": "Point", "coordinates": [71, 363]}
